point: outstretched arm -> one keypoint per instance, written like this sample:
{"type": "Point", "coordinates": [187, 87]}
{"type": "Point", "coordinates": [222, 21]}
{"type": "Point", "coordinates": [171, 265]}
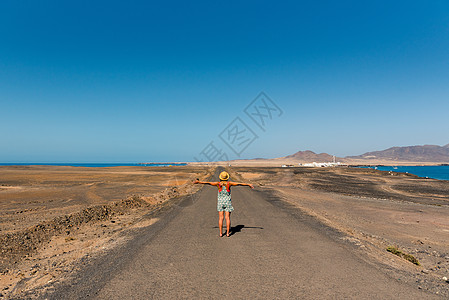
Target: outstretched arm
{"type": "Point", "coordinates": [240, 183]}
{"type": "Point", "coordinates": [205, 182]}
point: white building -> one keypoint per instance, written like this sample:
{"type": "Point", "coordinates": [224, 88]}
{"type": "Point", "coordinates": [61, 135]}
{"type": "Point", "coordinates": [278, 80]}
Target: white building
{"type": "Point", "coordinates": [324, 164]}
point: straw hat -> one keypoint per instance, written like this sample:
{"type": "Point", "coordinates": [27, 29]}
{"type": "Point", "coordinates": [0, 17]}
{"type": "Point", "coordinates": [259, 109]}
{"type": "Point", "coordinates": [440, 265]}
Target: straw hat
{"type": "Point", "coordinates": [224, 175]}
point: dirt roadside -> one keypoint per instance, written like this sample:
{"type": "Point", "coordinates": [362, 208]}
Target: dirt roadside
{"type": "Point", "coordinates": [54, 220]}
{"type": "Point", "coordinates": [375, 210]}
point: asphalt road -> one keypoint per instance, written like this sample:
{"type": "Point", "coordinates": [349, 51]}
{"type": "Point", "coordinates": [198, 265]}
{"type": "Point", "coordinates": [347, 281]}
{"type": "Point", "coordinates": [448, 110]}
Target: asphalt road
{"type": "Point", "coordinates": [275, 252]}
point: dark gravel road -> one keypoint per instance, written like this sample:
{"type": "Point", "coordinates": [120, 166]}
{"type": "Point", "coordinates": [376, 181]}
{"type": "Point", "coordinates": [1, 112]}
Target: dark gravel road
{"type": "Point", "coordinates": [274, 252]}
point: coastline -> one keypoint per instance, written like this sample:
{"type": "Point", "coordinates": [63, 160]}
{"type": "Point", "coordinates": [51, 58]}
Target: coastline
{"type": "Point", "coordinates": [440, 172]}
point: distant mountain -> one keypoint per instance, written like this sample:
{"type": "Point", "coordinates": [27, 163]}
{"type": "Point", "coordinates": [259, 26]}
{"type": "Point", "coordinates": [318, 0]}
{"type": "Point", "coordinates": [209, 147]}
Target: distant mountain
{"type": "Point", "coordinates": [409, 154]}
{"type": "Point", "coordinates": [425, 153]}
{"type": "Point", "coordinates": [308, 156]}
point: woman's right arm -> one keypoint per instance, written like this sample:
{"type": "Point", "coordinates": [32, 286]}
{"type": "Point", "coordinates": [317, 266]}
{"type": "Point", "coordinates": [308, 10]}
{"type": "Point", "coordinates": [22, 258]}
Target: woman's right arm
{"type": "Point", "coordinates": [205, 182]}
{"type": "Point", "coordinates": [242, 184]}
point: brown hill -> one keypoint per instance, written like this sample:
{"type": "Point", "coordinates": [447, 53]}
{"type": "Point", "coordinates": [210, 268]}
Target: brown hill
{"type": "Point", "coordinates": [425, 153]}
{"type": "Point", "coordinates": [293, 159]}
{"type": "Point", "coordinates": [308, 156]}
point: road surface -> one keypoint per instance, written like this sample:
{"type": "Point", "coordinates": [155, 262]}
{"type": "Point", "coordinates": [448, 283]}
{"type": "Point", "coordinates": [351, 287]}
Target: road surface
{"type": "Point", "coordinates": [275, 252]}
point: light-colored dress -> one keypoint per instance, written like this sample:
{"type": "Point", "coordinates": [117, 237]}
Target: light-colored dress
{"type": "Point", "coordinates": [224, 198]}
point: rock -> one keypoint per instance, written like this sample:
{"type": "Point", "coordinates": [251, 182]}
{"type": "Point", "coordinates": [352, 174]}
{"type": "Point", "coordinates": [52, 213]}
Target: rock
{"type": "Point", "coordinates": [445, 278]}
{"type": "Point", "coordinates": [425, 271]}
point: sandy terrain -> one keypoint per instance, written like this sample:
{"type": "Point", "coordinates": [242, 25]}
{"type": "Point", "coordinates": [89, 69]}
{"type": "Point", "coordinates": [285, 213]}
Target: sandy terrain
{"type": "Point", "coordinates": [30, 194]}
{"type": "Point", "coordinates": [52, 219]}
{"type": "Point", "coordinates": [376, 210]}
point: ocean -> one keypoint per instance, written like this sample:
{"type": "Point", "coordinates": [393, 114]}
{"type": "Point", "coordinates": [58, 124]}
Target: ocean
{"type": "Point", "coordinates": [96, 165]}
{"type": "Point", "coordinates": [436, 172]}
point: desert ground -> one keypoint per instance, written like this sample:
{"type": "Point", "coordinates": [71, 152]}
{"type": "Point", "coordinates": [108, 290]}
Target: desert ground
{"type": "Point", "coordinates": [54, 217]}
{"type": "Point", "coordinates": [376, 210]}
{"type": "Point", "coordinates": [54, 220]}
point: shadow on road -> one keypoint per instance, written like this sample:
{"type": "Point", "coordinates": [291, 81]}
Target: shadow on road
{"type": "Point", "coordinates": [238, 228]}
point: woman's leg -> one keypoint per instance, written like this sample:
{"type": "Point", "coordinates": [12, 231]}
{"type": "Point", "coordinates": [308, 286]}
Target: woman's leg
{"type": "Point", "coordinates": [220, 222]}
{"type": "Point", "coordinates": [228, 223]}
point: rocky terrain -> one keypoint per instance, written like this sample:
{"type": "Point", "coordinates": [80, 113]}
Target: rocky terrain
{"type": "Point", "coordinates": [393, 218]}
{"type": "Point", "coordinates": [54, 219]}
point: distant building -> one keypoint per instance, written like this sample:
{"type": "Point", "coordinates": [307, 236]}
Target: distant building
{"type": "Point", "coordinates": [323, 164]}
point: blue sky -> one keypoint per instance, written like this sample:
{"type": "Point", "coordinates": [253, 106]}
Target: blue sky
{"type": "Point", "coordinates": [109, 81]}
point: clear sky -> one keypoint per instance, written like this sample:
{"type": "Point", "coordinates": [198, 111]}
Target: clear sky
{"type": "Point", "coordinates": [133, 81]}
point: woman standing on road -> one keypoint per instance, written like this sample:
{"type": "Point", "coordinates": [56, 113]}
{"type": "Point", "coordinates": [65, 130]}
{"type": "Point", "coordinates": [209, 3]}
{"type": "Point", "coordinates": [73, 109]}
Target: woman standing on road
{"type": "Point", "coordinates": [224, 205]}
